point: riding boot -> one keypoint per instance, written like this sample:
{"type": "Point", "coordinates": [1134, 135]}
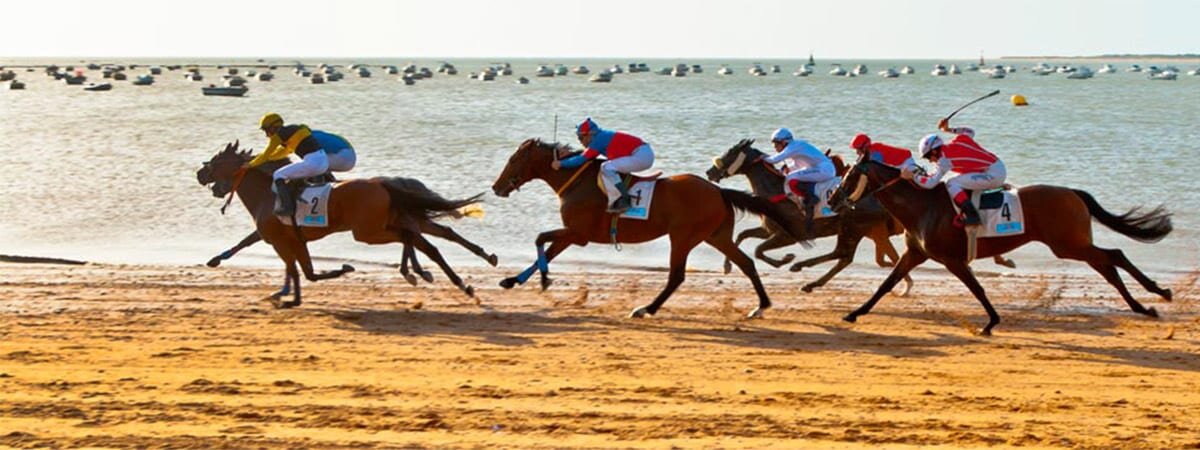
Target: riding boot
{"type": "Point", "coordinates": [623, 203]}
{"type": "Point", "coordinates": [970, 214]}
{"type": "Point", "coordinates": [810, 206]}
{"type": "Point", "coordinates": [285, 203]}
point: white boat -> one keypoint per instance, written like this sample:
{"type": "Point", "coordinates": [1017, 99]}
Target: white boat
{"type": "Point", "coordinates": [838, 71]}
{"type": "Point", "coordinates": [1194, 72]}
{"type": "Point", "coordinates": [756, 70]}
{"type": "Point", "coordinates": [96, 87]}
{"type": "Point", "coordinates": [680, 70]}
{"type": "Point", "coordinates": [194, 76]}
{"type": "Point", "coordinates": [1108, 68]}
{"type": "Point", "coordinates": [1134, 68]}
{"type": "Point", "coordinates": [408, 80]}
{"type": "Point", "coordinates": [859, 70]}
{"type": "Point", "coordinates": [803, 71]}
{"type": "Point", "coordinates": [391, 70]}
{"type": "Point", "coordinates": [889, 73]}
{"type": "Point", "coordinates": [581, 70]}
{"type": "Point", "coordinates": [603, 76]}
{"type": "Point", "coordinates": [560, 70]}
{"type": "Point", "coordinates": [996, 74]}
{"type": "Point", "coordinates": [543, 71]}
{"type": "Point", "coordinates": [972, 67]}
{"type": "Point", "coordinates": [725, 70]}
{"type": "Point", "coordinates": [1166, 75]}
{"type": "Point", "coordinates": [1066, 69]}
{"type": "Point", "coordinates": [954, 70]}
{"type": "Point", "coordinates": [1081, 73]}
{"type": "Point", "coordinates": [487, 75]}
{"type": "Point", "coordinates": [144, 80]}
{"type": "Point", "coordinates": [775, 68]}
{"type": "Point", "coordinates": [225, 91]}
{"type": "Point", "coordinates": [505, 70]}
{"type": "Point", "coordinates": [907, 70]}
{"type": "Point", "coordinates": [938, 71]}
{"type": "Point", "coordinates": [616, 68]}
{"type": "Point", "coordinates": [522, 80]}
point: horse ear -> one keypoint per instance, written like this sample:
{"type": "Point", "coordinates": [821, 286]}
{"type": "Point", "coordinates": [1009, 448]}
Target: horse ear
{"type": "Point", "coordinates": [828, 151]}
{"type": "Point", "coordinates": [236, 143]}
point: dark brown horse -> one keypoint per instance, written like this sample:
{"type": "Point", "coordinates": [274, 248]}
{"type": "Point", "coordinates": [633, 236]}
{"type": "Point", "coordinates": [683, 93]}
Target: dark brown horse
{"type": "Point", "coordinates": [869, 219]}
{"type": "Point", "coordinates": [685, 207]}
{"type": "Point", "coordinates": [1056, 216]}
{"type": "Point", "coordinates": [377, 211]}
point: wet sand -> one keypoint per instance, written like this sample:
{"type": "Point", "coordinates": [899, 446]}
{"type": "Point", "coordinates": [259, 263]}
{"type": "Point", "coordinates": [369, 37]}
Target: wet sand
{"type": "Point", "coordinates": [103, 356]}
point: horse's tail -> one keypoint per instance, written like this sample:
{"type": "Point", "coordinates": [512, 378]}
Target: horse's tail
{"type": "Point", "coordinates": [411, 196]}
{"type": "Point", "coordinates": [1144, 227]}
{"type": "Point", "coordinates": [744, 201]}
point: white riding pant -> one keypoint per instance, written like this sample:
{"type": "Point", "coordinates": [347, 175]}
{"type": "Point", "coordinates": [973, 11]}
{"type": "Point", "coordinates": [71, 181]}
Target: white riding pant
{"type": "Point", "coordinates": [610, 171]}
{"type": "Point", "coordinates": [991, 178]}
{"type": "Point", "coordinates": [821, 172]}
{"type": "Point", "coordinates": [317, 163]}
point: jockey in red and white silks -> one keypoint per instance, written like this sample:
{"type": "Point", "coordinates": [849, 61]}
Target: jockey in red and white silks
{"type": "Point", "coordinates": [977, 168]}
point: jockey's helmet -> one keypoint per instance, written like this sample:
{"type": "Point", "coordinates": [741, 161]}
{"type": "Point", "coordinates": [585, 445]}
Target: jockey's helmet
{"type": "Point", "coordinates": [588, 126]}
{"type": "Point", "coordinates": [929, 144]}
{"type": "Point", "coordinates": [781, 135]}
{"type": "Point", "coordinates": [270, 120]}
{"type": "Point", "coordinates": [860, 142]}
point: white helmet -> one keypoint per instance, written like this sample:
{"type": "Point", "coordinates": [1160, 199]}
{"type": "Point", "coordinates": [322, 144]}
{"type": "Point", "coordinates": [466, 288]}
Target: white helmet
{"type": "Point", "coordinates": [781, 135]}
{"type": "Point", "coordinates": [930, 143]}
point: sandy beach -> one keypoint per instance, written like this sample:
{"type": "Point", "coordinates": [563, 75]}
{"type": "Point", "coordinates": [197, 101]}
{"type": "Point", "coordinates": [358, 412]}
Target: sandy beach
{"type": "Point", "coordinates": [107, 356]}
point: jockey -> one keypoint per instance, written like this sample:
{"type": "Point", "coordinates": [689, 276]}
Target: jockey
{"type": "Point", "coordinates": [977, 169]}
{"type": "Point", "coordinates": [896, 157]}
{"type": "Point", "coordinates": [806, 166]}
{"type": "Point", "coordinates": [320, 152]}
{"type": "Point", "coordinates": [626, 154]}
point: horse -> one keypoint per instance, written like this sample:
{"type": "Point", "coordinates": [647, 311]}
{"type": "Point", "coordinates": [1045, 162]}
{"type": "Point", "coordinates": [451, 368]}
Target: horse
{"type": "Point", "coordinates": [687, 208]}
{"type": "Point", "coordinates": [868, 220]}
{"type": "Point", "coordinates": [377, 210]}
{"type": "Point", "coordinates": [1059, 217]}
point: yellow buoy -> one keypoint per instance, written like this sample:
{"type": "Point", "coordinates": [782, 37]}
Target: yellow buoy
{"type": "Point", "coordinates": [1019, 100]}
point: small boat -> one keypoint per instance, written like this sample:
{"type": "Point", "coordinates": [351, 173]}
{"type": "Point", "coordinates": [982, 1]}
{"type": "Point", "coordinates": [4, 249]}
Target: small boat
{"type": "Point", "coordinates": [1081, 73]}
{"type": "Point", "coordinates": [859, 70]}
{"type": "Point", "coordinates": [996, 74]}
{"type": "Point", "coordinates": [317, 78]}
{"type": "Point", "coordinates": [1166, 75]}
{"type": "Point", "coordinates": [757, 71]}
{"type": "Point", "coordinates": [642, 67]}
{"type": "Point", "coordinates": [73, 80]}
{"type": "Point", "coordinates": [15, 85]}
{"type": "Point", "coordinates": [803, 71]}
{"type": "Point", "coordinates": [251, 73]}
{"type": "Point", "coordinates": [725, 70]}
{"type": "Point", "coordinates": [266, 76]}
{"type": "Point", "coordinates": [234, 80]}
{"type": "Point", "coordinates": [544, 72]}
{"type": "Point", "coordinates": [560, 70]}
{"type": "Point", "coordinates": [581, 70]}
{"type": "Point", "coordinates": [232, 71]}
{"type": "Point", "coordinates": [838, 71]}
{"type": "Point", "coordinates": [1108, 68]}
{"type": "Point", "coordinates": [425, 72]}
{"type": "Point", "coordinates": [775, 68]}
{"type": "Point", "coordinates": [616, 68]}
{"type": "Point", "coordinates": [487, 75]}
{"type": "Point", "coordinates": [522, 80]}
{"type": "Point", "coordinates": [954, 70]}
{"type": "Point", "coordinates": [364, 73]}
{"type": "Point", "coordinates": [7, 75]}
{"type": "Point", "coordinates": [119, 76]}
{"type": "Point", "coordinates": [603, 76]}
{"type": "Point", "coordinates": [194, 76]}
{"type": "Point", "coordinates": [224, 91]}
{"type": "Point", "coordinates": [907, 70]}
{"type": "Point", "coordinates": [938, 71]}
{"type": "Point", "coordinates": [680, 70]}
{"type": "Point", "coordinates": [697, 69]}
{"type": "Point", "coordinates": [452, 71]}
{"type": "Point", "coordinates": [408, 80]}
{"type": "Point", "coordinates": [392, 70]}
{"type": "Point", "coordinates": [1134, 68]}
{"type": "Point", "coordinates": [1194, 72]}
{"type": "Point", "coordinates": [155, 70]}
{"type": "Point", "coordinates": [972, 67]}
{"type": "Point", "coordinates": [144, 80]}
{"type": "Point", "coordinates": [889, 73]}
{"type": "Point", "coordinates": [664, 71]}
{"type": "Point", "coordinates": [98, 87]}
{"type": "Point", "coordinates": [335, 76]}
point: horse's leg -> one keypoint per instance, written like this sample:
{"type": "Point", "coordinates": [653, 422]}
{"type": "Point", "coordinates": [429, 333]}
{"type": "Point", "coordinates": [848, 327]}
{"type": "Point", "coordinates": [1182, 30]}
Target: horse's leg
{"type": "Point", "coordinates": [306, 266]}
{"type": "Point", "coordinates": [409, 255]}
{"type": "Point", "coordinates": [847, 243]}
{"type": "Point", "coordinates": [436, 229]}
{"type": "Point", "coordinates": [911, 258]}
{"type": "Point", "coordinates": [758, 232]}
{"type": "Point", "coordinates": [288, 255]}
{"type": "Point", "coordinates": [245, 242]}
{"type": "Point", "coordinates": [776, 240]}
{"type": "Point", "coordinates": [732, 252]}
{"type": "Point", "coordinates": [1102, 260]}
{"type": "Point", "coordinates": [1118, 258]}
{"type": "Point", "coordinates": [559, 240]}
{"type": "Point", "coordinates": [963, 272]}
{"type": "Point", "coordinates": [679, 255]}
{"type": "Point", "coordinates": [1000, 260]}
{"type": "Point", "coordinates": [883, 243]}
{"type": "Point", "coordinates": [432, 252]}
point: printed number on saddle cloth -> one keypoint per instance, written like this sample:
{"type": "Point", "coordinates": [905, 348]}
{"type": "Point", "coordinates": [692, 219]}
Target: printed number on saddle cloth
{"type": "Point", "coordinates": [312, 207]}
{"type": "Point", "coordinates": [825, 190]}
{"type": "Point", "coordinates": [1000, 211]}
{"type": "Point", "coordinates": [640, 194]}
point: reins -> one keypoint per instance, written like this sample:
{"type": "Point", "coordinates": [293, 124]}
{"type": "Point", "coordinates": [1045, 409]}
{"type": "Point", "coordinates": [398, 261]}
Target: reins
{"type": "Point", "coordinates": [237, 182]}
{"type": "Point", "coordinates": [574, 177]}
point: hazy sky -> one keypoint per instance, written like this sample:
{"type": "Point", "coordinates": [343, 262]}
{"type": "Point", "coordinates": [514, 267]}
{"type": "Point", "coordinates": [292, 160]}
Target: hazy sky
{"type": "Point", "coordinates": [599, 28]}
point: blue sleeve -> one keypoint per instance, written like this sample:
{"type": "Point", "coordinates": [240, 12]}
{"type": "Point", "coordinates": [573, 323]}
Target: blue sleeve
{"type": "Point", "coordinates": [573, 162]}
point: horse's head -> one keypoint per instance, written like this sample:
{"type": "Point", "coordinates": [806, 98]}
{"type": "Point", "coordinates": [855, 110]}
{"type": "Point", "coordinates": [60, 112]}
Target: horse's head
{"type": "Point", "coordinates": [839, 164]}
{"type": "Point", "coordinates": [865, 176]}
{"type": "Point", "coordinates": [530, 160]}
{"type": "Point", "coordinates": [734, 161]}
{"type": "Point", "coordinates": [222, 169]}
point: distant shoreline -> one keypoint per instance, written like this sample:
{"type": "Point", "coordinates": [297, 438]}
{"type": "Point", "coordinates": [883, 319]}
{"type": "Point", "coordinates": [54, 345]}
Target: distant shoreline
{"type": "Point", "coordinates": [1188, 57]}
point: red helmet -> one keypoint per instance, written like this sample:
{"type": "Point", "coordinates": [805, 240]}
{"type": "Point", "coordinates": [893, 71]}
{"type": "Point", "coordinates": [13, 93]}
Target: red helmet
{"type": "Point", "coordinates": [860, 141]}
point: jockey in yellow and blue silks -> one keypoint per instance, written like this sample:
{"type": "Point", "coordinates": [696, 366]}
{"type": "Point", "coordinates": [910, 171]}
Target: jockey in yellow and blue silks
{"type": "Point", "coordinates": [626, 153]}
{"type": "Point", "coordinates": [319, 152]}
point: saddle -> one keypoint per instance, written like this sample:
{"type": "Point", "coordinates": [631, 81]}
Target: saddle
{"type": "Point", "coordinates": [633, 178]}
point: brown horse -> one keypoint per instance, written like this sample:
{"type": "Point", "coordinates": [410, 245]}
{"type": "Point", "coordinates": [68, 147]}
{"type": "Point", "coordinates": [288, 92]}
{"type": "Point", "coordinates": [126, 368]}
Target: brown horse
{"type": "Point", "coordinates": [868, 220]}
{"type": "Point", "coordinates": [1056, 216]}
{"type": "Point", "coordinates": [377, 211]}
{"type": "Point", "coordinates": [686, 208]}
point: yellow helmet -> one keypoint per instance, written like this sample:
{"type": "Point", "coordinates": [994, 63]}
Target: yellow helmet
{"type": "Point", "coordinates": [269, 120]}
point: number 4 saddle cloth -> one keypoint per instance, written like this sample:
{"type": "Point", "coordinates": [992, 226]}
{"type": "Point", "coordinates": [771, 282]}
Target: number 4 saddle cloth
{"type": "Point", "coordinates": [1000, 211]}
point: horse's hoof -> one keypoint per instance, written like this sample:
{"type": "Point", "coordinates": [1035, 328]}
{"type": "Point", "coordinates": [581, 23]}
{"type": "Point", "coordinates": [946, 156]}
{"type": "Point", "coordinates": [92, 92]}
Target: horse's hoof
{"type": "Point", "coordinates": [425, 275]}
{"type": "Point", "coordinates": [756, 314]}
{"type": "Point", "coordinates": [984, 332]}
{"type": "Point", "coordinates": [640, 312]}
{"type": "Point", "coordinates": [850, 318]}
{"type": "Point", "coordinates": [907, 289]}
{"type": "Point", "coordinates": [410, 278]}
{"type": "Point", "coordinates": [469, 290]}
{"type": "Point", "coordinates": [808, 288]}
{"type": "Point", "coordinates": [275, 300]}
{"type": "Point", "coordinates": [787, 259]}
{"type": "Point", "coordinates": [493, 259]}
{"type": "Point", "coordinates": [346, 268]}
{"type": "Point", "coordinates": [546, 281]}
{"type": "Point", "coordinates": [1168, 295]}
{"type": "Point", "coordinates": [728, 267]}
{"type": "Point", "coordinates": [216, 261]}
{"type": "Point", "coordinates": [796, 267]}
{"type": "Point", "coordinates": [508, 283]}
{"type": "Point", "coordinates": [1007, 263]}
{"type": "Point", "coordinates": [1151, 312]}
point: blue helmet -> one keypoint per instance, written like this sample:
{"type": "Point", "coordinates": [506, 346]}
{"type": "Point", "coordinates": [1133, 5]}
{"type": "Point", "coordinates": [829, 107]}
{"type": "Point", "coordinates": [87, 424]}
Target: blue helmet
{"type": "Point", "coordinates": [781, 135]}
{"type": "Point", "coordinates": [929, 144]}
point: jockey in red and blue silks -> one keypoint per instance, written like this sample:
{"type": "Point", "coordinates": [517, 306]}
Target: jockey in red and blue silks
{"type": "Point", "coordinates": [977, 168]}
{"type": "Point", "coordinates": [626, 153]}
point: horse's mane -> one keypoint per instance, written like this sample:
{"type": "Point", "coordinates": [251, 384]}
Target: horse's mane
{"type": "Point", "coordinates": [268, 167]}
{"type": "Point", "coordinates": [554, 145]}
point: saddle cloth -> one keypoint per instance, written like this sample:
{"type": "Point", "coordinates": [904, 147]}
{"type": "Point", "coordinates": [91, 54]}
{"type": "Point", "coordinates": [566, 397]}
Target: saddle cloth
{"type": "Point", "coordinates": [825, 190]}
{"type": "Point", "coordinates": [641, 193]}
{"type": "Point", "coordinates": [312, 207]}
{"type": "Point", "coordinates": [1000, 211]}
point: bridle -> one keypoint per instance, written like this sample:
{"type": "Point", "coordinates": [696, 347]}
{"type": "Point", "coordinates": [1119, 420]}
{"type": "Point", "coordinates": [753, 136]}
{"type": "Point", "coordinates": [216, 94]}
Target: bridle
{"type": "Point", "coordinates": [737, 163]}
{"type": "Point", "coordinates": [855, 197]}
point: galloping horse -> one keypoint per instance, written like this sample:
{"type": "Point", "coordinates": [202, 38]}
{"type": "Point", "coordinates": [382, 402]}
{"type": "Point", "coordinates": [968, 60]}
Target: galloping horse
{"type": "Point", "coordinates": [867, 220]}
{"type": "Point", "coordinates": [686, 208]}
{"type": "Point", "coordinates": [377, 211]}
{"type": "Point", "coordinates": [1056, 216]}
